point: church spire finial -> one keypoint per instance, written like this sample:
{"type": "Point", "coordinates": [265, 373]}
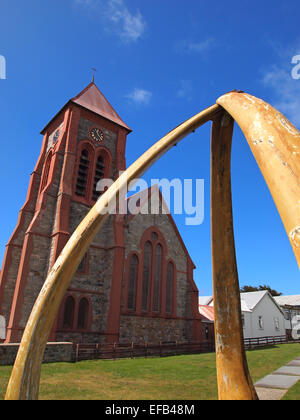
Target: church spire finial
{"type": "Point", "coordinates": [93, 77]}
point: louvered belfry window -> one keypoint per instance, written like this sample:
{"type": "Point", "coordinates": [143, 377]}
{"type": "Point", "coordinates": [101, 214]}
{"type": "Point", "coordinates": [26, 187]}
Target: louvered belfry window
{"type": "Point", "coordinates": [146, 276]}
{"type": "Point", "coordinates": [169, 288]}
{"type": "Point", "coordinates": [99, 174]}
{"type": "Point", "coordinates": [83, 171]}
{"type": "Point", "coordinates": [132, 284]}
{"type": "Point", "coordinates": [157, 278]}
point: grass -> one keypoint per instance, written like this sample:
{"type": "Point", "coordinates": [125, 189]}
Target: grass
{"type": "Point", "coordinates": [293, 393]}
{"type": "Point", "coordinates": [188, 377]}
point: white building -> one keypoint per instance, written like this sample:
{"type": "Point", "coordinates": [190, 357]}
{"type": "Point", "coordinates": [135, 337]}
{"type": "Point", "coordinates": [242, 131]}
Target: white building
{"type": "Point", "coordinates": [261, 315]}
{"type": "Point", "coordinates": [290, 306]}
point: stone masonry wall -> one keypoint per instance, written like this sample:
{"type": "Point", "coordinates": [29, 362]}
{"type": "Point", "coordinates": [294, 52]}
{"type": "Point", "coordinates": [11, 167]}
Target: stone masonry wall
{"type": "Point", "coordinates": [152, 330]}
{"type": "Point", "coordinates": [55, 352]}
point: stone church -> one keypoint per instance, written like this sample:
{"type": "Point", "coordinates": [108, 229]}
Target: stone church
{"type": "Point", "coordinates": [135, 283]}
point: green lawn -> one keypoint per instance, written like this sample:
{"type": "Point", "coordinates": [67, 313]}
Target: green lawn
{"type": "Point", "coordinates": [293, 393]}
{"type": "Point", "coordinates": [178, 377]}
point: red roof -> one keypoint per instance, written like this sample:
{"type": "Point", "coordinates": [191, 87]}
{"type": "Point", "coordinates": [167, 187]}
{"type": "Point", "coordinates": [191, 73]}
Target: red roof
{"type": "Point", "coordinates": [207, 312]}
{"type": "Point", "coordinates": [93, 99]}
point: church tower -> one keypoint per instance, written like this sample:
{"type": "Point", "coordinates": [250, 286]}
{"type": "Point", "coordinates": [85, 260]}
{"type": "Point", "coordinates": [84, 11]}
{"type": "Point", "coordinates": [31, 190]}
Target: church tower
{"type": "Point", "coordinates": [135, 282]}
{"type": "Point", "coordinates": [84, 142]}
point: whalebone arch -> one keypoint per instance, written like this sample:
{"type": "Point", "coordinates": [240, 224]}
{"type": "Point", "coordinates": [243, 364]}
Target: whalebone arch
{"type": "Point", "coordinates": [275, 144]}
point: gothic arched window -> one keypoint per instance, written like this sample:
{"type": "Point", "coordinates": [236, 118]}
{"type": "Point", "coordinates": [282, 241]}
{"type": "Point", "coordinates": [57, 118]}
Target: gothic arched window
{"type": "Point", "coordinates": [82, 176]}
{"type": "Point", "coordinates": [99, 174]}
{"type": "Point", "coordinates": [157, 278]}
{"type": "Point", "coordinates": [132, 282]}
{"type": "Point", "coordinates": [69, 313]}
{"type": "Point", "coordinates": [83, 312]}
{"type": "Point", "coordinates": [146, 275]}
{"type": "Point", "coordinates": [170, 288]}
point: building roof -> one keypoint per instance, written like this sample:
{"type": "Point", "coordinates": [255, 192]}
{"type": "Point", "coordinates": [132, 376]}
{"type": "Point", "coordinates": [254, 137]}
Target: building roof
{"type": "Point", "coordinates": [244, 306]}
{"type": "Point", "coordinates": [204, 300]}
{"type": "Point", "coordinates": [207, 312]}
{"type": "Point", "coordinates": [292, 300]}
{"type": "Point", "coordinates": [92, 98]}
{"type": "Point", "coordinates": [249, 300]}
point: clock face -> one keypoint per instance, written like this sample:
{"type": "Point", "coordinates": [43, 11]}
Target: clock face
{"type": "Point", "coordinates": [97, 134]}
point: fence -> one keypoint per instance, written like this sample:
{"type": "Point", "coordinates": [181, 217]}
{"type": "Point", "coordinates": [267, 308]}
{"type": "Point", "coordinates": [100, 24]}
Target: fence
{"type": "Point", "coordinates": [251, 343]}
{"type": "Point", "coordinates": [131, 350]}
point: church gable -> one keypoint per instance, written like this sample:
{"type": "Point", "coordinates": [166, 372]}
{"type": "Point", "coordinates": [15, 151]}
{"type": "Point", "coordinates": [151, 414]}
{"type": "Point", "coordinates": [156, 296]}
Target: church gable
{"type": "Point", "coordinates": [157, 301]}
{"type": "Point", "coordinates": [159, 216]}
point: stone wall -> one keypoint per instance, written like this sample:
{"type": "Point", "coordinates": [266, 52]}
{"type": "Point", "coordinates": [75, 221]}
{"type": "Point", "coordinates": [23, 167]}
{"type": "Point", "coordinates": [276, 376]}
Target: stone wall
{"type": "Point", "coordinates": [55, 352]}
{"type": "Point", "coordinates": [95, 282]}
{"type": "Point", "coordinates": [152, 330]}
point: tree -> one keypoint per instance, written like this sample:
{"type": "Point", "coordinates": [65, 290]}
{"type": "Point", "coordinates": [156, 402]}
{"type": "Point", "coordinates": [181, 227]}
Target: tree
{"type": "Point", "coordinates": [273, 292]}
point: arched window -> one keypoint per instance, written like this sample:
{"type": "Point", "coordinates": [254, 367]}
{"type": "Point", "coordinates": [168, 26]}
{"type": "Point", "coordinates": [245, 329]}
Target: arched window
{"type": "Point", "coordinates": [46, 171]}
{"type": "Point", "coordinates": [82, 176]}
{"type": "Point", "coordinates": [169, 288]}
{"type": "Point", "coordinates": [157, 278]}
{"type": "Point", "coordinates": [83, 312]}
{"type": "Point", "coordinates": [99, 174]}
{"type": "Point", "coordinates": [146, 275]}
{"type": "Point", "coordinates": [69, 313]}
{"type": "Point", "coordinates": [132, 282]}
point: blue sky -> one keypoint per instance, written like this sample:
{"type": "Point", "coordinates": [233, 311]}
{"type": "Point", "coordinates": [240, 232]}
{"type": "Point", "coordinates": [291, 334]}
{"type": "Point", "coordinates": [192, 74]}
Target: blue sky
{"type": "Point", "coordinates": [158, 62]}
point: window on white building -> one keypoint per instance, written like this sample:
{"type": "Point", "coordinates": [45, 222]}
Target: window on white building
{"type": "Point", "coordinates": [243, 320]}
{"type": "Point", "coordinates": [276, 323]}
{"type": "Point", "coordinates": [261, 322]}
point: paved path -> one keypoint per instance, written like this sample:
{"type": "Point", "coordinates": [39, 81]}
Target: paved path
{"type": "Point", "coordinates": [274, 386]}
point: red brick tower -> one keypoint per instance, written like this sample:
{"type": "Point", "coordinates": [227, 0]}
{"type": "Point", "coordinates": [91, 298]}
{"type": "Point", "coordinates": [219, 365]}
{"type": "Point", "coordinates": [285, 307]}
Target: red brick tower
{"type": "Point", "coordinates": [84, 142]}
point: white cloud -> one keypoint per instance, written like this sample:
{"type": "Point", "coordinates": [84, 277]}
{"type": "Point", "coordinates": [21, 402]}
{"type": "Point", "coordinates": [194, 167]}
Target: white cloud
{"type": "Point", "coordinates": [185, 90]}
{"type": "Point", "coordinates": [128, 26]}
{"type": "Point", "coordinates": [140, 96]}
{"type": "Point", "coordinates": [285, 90]}
{"type": "Point", "coordinates": [198, 47]}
